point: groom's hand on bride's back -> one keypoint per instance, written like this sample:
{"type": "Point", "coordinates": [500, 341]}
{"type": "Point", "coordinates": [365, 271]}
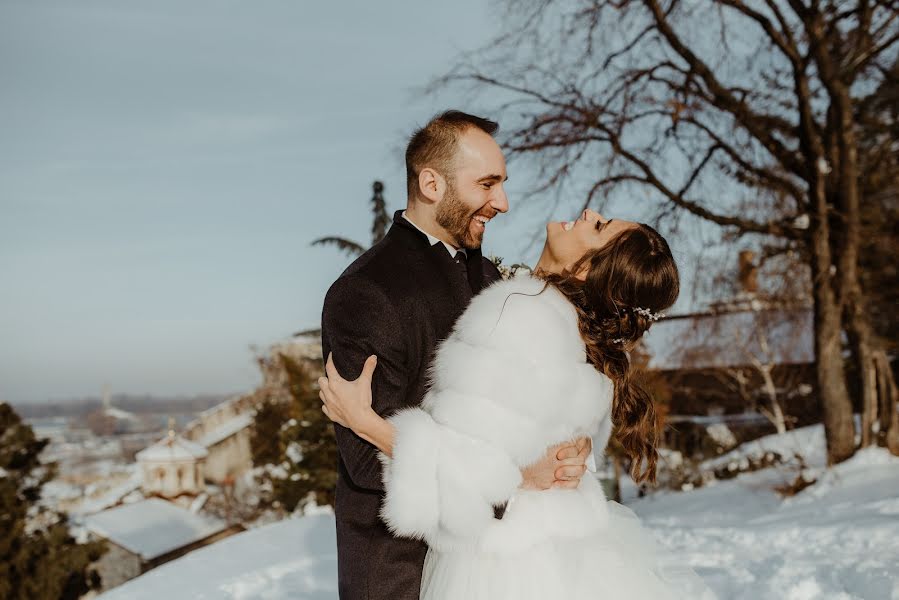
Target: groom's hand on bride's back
{"type": "Point", "coordinates": [562, 466]}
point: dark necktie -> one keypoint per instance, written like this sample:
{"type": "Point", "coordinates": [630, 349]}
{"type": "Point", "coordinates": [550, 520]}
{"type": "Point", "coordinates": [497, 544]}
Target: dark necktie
{"type": "Point", "coordinates": [461, 261]}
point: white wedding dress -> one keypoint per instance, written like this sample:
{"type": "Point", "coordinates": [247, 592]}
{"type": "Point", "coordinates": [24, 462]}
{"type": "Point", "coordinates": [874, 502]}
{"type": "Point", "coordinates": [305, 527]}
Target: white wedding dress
{"type": "Point", "coordinates": [510, 381]}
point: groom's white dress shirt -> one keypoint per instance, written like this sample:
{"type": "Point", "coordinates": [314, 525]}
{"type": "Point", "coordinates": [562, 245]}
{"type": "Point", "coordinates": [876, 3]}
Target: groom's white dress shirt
{"type": "Point", "coordinates": [433, 240]}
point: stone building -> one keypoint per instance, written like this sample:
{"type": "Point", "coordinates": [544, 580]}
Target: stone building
{"type": "Point", "coordinates": [224, 432]}
{"type": "Point", "coordinates": [173, 466]}
{"type": "Point", "coordinates": [143, 535]}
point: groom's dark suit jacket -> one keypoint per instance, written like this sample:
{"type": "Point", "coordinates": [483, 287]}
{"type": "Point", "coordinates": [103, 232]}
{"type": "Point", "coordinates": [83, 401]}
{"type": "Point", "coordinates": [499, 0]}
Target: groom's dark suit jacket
{"type": "Point", "coordinates": [398, 300]}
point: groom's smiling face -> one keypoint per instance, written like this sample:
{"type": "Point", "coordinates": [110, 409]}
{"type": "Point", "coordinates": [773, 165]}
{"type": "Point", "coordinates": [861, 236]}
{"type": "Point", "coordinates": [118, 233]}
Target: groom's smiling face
{"type": "Point", "coordinates": [474, 191]}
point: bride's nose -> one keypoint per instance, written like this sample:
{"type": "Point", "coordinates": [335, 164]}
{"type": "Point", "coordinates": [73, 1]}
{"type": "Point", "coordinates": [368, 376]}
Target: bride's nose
{"type": "Point", "coordinates": [592, 216]}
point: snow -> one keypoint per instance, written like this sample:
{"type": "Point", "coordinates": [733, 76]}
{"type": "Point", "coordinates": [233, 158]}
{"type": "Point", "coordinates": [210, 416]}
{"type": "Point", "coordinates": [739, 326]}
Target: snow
{"type": "Point", "coordinates": [294, 452]}
{"type": "Point", "coordinates": [227, 430]}
{"type": "Point", "coordinates": [835, 540]}
{"type": "Point", "coordinates": [807, 442]}
{"type": "Point", "coordinates": [118, 413]}
{"type": "Point", "coordinates": [294, 559]}
{"type": "Point", "coordinates": [172, 448]}
{"type": "Point", "coordinates": [152, 527]}
{"type": "Point", "coordinates": [108, 498]}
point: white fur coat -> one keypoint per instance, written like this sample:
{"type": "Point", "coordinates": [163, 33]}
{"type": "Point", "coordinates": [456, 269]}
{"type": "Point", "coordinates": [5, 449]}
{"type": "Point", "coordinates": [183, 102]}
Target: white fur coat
{"type": "Point", "coordinates": [510, 381]}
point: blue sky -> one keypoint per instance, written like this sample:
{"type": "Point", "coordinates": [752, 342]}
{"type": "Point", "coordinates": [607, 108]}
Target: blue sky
{"type": "Point", "coordinates": [164, 166]}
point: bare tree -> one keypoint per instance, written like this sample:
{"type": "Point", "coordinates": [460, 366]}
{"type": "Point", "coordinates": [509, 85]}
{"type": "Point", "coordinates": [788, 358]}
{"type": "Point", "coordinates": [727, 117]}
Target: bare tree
{"type": "Point", "coordinates": [743, 113]}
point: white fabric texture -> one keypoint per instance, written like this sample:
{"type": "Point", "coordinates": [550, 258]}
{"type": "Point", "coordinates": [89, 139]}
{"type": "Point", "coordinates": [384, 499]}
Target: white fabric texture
{"type": "Point", "coordinates": [511, 380]}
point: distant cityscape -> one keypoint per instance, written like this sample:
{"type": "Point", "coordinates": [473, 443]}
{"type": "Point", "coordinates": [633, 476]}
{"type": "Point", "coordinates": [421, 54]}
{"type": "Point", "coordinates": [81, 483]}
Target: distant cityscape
{"type": "Point", "coordinates": [156, 476]}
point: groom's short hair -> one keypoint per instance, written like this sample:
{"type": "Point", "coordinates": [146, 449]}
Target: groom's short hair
{"type": "Point", "coordinates": [435, 144]}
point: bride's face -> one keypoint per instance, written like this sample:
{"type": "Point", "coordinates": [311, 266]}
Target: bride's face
{"type": "Point", "coordinates": [567, 242]}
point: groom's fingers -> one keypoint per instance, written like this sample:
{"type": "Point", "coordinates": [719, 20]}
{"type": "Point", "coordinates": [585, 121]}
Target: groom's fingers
{"type": "Point", "coordinates": [331, 370]}
{"type": "Point", "coordinates": [368, 369]}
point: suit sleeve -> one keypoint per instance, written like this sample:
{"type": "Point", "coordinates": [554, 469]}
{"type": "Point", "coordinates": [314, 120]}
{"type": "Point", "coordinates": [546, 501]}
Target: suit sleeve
{"type": "Point", "coordinates": [358, 321]}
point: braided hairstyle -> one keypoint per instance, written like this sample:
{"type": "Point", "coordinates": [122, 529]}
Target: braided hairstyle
{"type": "Point", "coordinates": [635, 270]}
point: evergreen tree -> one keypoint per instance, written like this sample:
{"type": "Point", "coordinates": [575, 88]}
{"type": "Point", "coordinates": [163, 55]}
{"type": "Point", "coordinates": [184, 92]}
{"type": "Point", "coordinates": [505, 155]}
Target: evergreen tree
{"type": "Point", "coordinates": [308, 442]}
{"type": "Point", "coordinates": [380, 224]}
{"type": "Point", "coordinates": [39, 559]}
{"type": "Point", "coordinates": [265, 438]}
{"type": "Point", "coordinates": [295, 442]}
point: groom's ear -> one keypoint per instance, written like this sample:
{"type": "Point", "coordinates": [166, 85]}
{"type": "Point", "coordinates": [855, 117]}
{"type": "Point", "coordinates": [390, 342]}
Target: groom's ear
{"type": "Point", "coordinates": [431, 184]}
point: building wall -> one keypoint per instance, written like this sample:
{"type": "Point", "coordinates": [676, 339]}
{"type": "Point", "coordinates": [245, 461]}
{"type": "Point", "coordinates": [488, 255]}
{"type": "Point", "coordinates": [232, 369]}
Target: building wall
{"type": "Point", "coordinates": [230, 457]}
{"type": "Point", "coordinates": [117, 566]}
{"type": "Point", "coordinates": [172, 479]}
{"type": "Point", "coordinates": [217, 416]}
{"type": "Point", "coordinates": [179, 552]}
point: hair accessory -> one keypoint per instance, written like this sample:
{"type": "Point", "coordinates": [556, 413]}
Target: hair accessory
{"type": "Point", "coordinates": [649, 314]}
{"type": "Point", "coordinates": [618, 341]}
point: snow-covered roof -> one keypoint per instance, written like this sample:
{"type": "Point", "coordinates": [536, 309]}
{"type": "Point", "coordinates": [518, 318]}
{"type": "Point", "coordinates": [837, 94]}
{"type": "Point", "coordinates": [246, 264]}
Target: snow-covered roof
{"type": "Point", "coordinates": [172, 448]}
{"type": "Point", "coordinates": [110, 497]}
{"type": "Point", "coordinates": [732, 339]}
{"type": "Point", "coordinates": [290, 559]}
{"type": "Point", "coordinates": [152, 527]}
{"type": "Point", "coordinates": [120, 414]}
{"type": "Point", "coordinates": [223, 405]}
{"type": "Point", "coordinates": [227, 430]}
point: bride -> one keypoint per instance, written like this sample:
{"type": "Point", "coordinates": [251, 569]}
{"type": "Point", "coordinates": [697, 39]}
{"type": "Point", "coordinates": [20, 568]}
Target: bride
{"type": "Point", "coordinates": [534, 361]}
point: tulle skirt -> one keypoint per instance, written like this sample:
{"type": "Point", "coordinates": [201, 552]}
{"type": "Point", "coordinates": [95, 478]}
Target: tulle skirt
{"type": "Point", "coordinates": [623, 562]}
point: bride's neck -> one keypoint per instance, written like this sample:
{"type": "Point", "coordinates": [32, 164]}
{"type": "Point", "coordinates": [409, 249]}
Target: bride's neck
{"type": "Point", "coordinates": [546, 263]}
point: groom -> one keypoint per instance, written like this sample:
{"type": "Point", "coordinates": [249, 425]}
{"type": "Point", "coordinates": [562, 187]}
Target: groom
{"type": "Point", "coordinates": [398, 301]}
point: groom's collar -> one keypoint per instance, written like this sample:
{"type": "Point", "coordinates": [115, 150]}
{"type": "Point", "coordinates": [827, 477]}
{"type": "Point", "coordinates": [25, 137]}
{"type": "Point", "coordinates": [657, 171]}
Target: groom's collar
{"type": "Point", "coordinates": [401, 217]}
{"type": "Point", "coordinates": [434, 240]}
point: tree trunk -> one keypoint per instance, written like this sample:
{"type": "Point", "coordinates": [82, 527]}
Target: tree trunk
{"type": "Point", "coordinates": [616, 462]}
{"type": "Point", "coordinates": [839, 427]}
{"type": "Point", "coordinates": [887, 394]}
{"type": "Point", "coordinates": [860, 341]}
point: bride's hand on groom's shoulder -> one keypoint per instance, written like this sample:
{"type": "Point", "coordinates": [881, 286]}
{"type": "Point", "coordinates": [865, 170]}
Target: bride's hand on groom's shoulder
{"type": "Point", "coordinates": [347, 403]}
{"type": "Point", "coordinates": [562, 466]}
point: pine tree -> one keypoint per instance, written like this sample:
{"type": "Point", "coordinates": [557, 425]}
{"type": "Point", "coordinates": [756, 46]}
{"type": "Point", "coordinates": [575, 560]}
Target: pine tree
{"type": "Point", "coordinates": [39, 559]}
{"type": "Point", "coordinates": [295, 442]}
{"type": "Point", "coordinates": [380, 224]}
{"type": "Point", "coordinates": [265, 439]}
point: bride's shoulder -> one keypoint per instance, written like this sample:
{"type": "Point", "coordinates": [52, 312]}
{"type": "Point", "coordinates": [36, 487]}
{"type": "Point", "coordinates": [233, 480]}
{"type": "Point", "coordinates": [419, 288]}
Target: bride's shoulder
{"type": "Point", "coordinates": [521, 310]}
{"type": "Point", "coordinates": [523, 282]}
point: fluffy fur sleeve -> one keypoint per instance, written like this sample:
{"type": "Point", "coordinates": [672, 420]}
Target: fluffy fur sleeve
{"type": "Point", "coordinates": [440, 483]}
{"type": "Point", "coordinates": [511, 380]}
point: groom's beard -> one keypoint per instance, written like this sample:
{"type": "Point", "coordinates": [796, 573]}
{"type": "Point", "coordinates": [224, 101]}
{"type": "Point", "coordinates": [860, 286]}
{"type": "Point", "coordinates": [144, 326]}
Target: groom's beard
{"type": "Point", "coordinates": [455, 218]}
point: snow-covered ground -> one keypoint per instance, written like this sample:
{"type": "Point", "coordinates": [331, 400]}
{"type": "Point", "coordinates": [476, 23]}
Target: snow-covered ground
{"type": "Point", "coordinates": [295, 559]}
{"type": "Point", "coordinates": [836, 540]}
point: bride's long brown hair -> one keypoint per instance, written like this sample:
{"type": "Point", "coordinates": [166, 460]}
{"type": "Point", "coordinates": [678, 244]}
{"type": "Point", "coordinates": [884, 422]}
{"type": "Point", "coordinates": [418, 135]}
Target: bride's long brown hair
{"type": "Point", "coordinates": [634, 270]}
